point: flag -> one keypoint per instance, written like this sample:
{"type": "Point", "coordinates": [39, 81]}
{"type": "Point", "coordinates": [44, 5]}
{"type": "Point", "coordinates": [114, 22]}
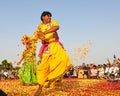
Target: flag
{"type": "Point", "coordinates": [114, 56]}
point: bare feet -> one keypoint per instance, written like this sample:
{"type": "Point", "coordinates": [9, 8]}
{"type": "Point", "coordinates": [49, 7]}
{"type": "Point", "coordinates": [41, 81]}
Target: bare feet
{"type": "Point", "coordinates": [38, 92]}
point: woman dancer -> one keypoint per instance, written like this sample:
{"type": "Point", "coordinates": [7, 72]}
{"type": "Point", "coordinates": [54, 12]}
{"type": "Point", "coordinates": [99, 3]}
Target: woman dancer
{"type": "Point", "coordinates": [54, 59]}
{"type": "Point", "coordinates": [27, 73]}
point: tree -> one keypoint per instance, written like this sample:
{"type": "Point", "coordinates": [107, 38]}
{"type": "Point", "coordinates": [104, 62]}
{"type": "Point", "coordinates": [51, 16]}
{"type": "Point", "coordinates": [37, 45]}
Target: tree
{"type": "Point", "coordinates": [6, 65]}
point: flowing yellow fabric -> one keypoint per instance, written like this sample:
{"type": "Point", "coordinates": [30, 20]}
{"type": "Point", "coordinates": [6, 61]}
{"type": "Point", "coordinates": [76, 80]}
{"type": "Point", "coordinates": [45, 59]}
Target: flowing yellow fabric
{"type": "Point", "coordinates": [55, 61]}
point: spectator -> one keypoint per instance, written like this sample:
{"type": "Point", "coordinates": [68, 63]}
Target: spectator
{"type": "Point", "coordinates": [94, 72]}
{"type": "Point", "coordinates": [80, 72]}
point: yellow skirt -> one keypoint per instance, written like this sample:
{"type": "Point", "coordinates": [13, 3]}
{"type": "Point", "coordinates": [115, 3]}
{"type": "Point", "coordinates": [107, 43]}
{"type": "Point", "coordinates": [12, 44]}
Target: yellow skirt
{"type": "Point", "coordinates": [54, 63]}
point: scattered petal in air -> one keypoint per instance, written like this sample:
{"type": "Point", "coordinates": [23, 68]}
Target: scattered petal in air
{"type": "Point", "coordinates": [80, 52]}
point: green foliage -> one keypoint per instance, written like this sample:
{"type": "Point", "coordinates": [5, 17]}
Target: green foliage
{"type": "Point", "coordinates": [6, 65]}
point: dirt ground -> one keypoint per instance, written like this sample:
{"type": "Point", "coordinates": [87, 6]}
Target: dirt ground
{"type": "Point", "coordinates": [69, 87]}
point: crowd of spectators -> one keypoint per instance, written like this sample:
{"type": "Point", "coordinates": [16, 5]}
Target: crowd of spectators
{"type": "Point", "coordinates": [8, 74]}
{"type": "Point", "coordinates": [109, 71]}
{"type": "Point", "coordinates": [92, 71]}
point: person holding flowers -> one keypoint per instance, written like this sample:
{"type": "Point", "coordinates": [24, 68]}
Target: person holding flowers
{"type": "Point", "coordinates": [54, 61]}
{"type": "Point", "coordinates": [27, 73]}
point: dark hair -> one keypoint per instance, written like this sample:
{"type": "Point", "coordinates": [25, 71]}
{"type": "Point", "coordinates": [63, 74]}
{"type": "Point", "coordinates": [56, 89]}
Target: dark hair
{"type": "Point", "coordinates": [45, 13]}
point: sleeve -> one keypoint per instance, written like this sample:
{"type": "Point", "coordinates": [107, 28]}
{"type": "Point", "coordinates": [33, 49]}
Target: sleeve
{"type": "Point", "coordinates": [36, 32]}
{"type": "Point", "coordinates": [55, 23]}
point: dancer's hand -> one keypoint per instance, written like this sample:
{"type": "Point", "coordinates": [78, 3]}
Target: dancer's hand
{"type": "Point", "coordinates": [41, 35]}
{"type": "Point", "coordinates": [18, 63]}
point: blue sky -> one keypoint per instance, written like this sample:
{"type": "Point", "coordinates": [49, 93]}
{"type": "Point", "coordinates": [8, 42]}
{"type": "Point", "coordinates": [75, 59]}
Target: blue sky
{"type": "Point", "coordinates": [97, 21]}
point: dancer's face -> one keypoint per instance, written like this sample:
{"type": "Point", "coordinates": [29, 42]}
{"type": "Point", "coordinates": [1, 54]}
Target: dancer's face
{"type": "Point", "coordinates": [46, 19]}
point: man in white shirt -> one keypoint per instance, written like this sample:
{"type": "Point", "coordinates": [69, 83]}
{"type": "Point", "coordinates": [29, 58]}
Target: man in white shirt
{"type": "Point", "coordinates": [114, 69]}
